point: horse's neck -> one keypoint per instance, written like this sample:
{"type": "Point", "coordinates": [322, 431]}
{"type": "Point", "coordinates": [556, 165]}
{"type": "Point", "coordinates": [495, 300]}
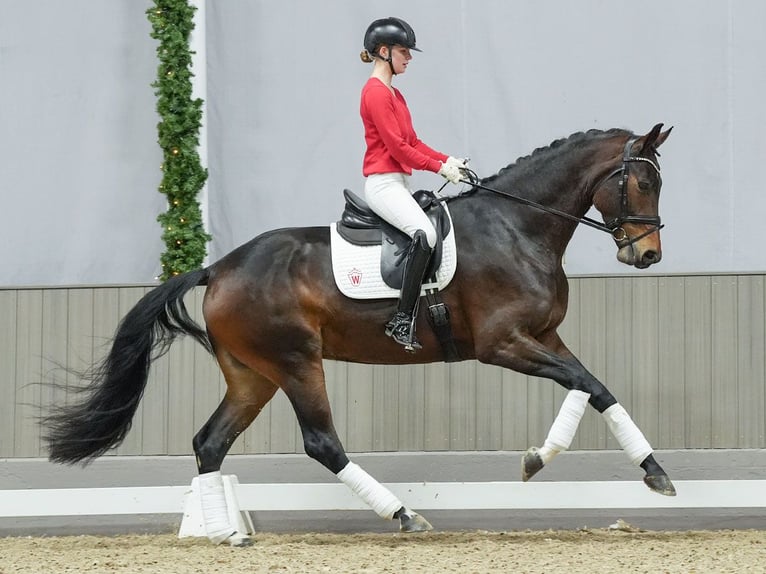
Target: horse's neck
{"type": "Point", "coordinates": [500, 230]}
{"type": "Point", "coordinates": [563, 189]}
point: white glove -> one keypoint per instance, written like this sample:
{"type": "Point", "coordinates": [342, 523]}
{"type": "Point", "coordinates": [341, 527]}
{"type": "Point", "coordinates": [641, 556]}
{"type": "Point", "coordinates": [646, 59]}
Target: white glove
{"type": "Point", "coordinates": [457, 161]}
{"type": "Point", "coordinates": [450, 172]}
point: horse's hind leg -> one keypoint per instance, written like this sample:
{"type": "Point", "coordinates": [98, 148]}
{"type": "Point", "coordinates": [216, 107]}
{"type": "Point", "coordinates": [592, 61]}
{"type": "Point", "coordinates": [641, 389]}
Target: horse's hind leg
{"type": "Point", "coordinates": [308, 395]}
{"type": "Point", "coordinates": [246, 394]}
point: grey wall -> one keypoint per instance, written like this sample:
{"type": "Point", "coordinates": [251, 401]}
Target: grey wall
{"type": "Point", "coordinates": [684, 354]}
{"type": "Point", "coordinates": [79, 163]}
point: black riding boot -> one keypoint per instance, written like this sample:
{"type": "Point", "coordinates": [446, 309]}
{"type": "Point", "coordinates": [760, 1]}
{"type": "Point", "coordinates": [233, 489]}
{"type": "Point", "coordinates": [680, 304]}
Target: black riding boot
{"type": "Point", "coordinates": [402, 325]}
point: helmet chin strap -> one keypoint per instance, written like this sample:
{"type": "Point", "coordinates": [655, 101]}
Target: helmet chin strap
{"type": "Point", "coordinates": [389, 59]}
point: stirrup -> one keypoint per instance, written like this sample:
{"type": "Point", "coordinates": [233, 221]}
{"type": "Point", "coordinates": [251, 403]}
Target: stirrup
{"type": "Point", "coordinates": [402, 330]}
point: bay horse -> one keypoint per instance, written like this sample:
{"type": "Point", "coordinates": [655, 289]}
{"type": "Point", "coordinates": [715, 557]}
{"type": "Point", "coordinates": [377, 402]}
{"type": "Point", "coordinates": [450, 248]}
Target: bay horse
{"type": "Point", "coordinates": [272, 312]}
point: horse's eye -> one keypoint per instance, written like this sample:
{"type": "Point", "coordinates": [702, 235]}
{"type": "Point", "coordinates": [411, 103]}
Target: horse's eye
{"type": "Point", "coordinates": [644, 185]}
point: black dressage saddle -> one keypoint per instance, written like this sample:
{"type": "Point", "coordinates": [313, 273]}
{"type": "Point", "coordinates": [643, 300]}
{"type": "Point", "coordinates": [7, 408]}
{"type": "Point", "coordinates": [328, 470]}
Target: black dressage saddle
{"type": "Point", "coordinates": [361, 226]}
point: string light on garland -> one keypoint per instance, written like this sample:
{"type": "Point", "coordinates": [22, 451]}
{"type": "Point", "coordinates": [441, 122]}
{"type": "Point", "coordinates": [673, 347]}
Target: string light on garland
{"type": "Point", "coordinates": [183, 176]}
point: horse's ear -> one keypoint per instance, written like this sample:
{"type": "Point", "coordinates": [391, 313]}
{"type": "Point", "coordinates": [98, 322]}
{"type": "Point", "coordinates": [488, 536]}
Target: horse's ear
{"type": "Point", "coordinates": [662, 137]}
{"type": "Point", "coordinates": [654, 139]}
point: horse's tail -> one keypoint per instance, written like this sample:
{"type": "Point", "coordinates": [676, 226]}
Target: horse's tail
{"type": "Point", "coordinates": [87, 429]}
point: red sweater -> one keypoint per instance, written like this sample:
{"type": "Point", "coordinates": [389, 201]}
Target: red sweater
{"type": "Point", "coordinates": [392, 145]}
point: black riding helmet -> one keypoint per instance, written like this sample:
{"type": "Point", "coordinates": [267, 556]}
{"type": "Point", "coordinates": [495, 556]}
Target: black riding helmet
{"type": "Point", "coordinates": [389, 32]}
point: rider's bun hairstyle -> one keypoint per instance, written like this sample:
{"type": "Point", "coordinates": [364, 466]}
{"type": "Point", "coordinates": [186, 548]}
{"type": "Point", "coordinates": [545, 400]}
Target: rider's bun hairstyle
{"type": "Point", "coordinates": [364, 55]}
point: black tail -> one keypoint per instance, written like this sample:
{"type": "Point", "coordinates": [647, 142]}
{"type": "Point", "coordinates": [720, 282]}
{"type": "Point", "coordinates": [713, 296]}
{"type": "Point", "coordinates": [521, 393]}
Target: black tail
{"type": "Point", "coordinates": [83, 431]}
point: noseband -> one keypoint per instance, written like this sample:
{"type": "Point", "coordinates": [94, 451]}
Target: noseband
{"type": "Point", "coordinates": [613, 226]}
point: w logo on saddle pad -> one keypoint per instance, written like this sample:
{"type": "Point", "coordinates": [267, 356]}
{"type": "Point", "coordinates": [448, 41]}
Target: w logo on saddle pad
{"type": "Point", "coordinates": [368, 254]}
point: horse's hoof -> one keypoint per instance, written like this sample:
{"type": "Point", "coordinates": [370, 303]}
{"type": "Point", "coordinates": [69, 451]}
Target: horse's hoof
{"type": "Point", "coordinates": [531, 464]}
{"type": "Point", "coordinates": [660, 484]}
{"type": "Point", "coordinates": [239, 540]}
{"type": "Point", "coordinates": [414, 523]}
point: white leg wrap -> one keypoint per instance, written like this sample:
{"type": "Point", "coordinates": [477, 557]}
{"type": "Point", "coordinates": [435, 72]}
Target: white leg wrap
{"type": "Point", "coordinates": [565, 426]}
{"type": "Point", "coordinates": [377, 496]}
{"type": "Point", "coordinates": [626, 432]}
{"type": "Point", "coordinates": [214, 509]}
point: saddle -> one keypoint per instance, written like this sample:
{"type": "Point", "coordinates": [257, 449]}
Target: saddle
{"type": "Point", "coordinates": [359, 225]}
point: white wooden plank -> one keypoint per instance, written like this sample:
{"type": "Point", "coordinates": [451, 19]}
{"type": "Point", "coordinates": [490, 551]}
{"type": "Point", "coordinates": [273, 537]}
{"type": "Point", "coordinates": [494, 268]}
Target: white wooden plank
{"type": "Point", "coordinates": [620, 351]}
{"type": "Point", "coordinates": [489, 407]}
{"type": "Point", "coordinates": [724, 376]}
{"type": "Point", "coordinates": [385, 400]}
{"type": "Point", "coordinates": [8, 341]}
{"type": "Point", "coordinates": [420, 495]}
{"type": "Point", "coordinates": [336, 382]}
{"type": "Point", "coordinates": [462, 411]}
{"type": "Point", "coordinates": [128, 297]}
{"type": "Point", "coordinates": [592, 354]}
{"type": "Point", "coordinates": [672, 342]}
{"type": "Point", "coordinates": [515, 388]}
{"type": "Point", "coordinates": [751, 361]}
{"type": "Point", "coordinates": [185, 415]}
{"type": "Point", "coordinates": [697, 355]}
{"type": "Point", "coordinates": [437, 407]}
{"type": "Point", "coordinates": [80, 328]}
{"type": "Point", "coordinates": [27, 394]}
{"type": "Point", "coordinates": [411, 425]}
{"type": "Point", "coordinates": [360, 408]}
{"type": "Point", "coordinates": [54, 350]}
{"type": "Point", "coordinates": [645, 390]}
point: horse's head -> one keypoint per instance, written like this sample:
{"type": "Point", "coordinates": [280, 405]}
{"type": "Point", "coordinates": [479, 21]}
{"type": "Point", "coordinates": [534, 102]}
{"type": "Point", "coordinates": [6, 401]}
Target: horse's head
{"type": "Point", "coordinates": [628, 199]}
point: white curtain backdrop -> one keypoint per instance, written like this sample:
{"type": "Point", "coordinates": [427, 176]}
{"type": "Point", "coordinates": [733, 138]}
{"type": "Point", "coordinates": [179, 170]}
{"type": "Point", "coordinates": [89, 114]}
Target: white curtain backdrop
{"type": "Point", "coordinates": [79, 162]}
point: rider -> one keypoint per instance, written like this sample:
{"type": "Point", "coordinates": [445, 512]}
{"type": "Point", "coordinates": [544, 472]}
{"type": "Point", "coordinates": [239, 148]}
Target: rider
{"type": "Point", "coordinates": [393, 151]}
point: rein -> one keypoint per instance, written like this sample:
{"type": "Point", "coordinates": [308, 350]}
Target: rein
{"type": "Point", "coordinates": [613, 226]}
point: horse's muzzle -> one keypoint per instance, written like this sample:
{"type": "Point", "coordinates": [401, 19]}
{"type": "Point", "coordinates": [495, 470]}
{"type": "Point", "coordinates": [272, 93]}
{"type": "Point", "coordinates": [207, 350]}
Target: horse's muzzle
{"type": "Point", "coordinates": [637, 257]}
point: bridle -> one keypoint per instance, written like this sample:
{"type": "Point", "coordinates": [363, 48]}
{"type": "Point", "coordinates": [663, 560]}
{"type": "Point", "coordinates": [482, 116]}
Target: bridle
{"type": "Point", "coordinates": [613, 226]}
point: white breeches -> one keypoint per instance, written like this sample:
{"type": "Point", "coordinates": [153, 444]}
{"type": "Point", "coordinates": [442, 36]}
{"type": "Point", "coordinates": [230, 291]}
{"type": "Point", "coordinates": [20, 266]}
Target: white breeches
{"type": "Point", "coordinates": [389, 195]}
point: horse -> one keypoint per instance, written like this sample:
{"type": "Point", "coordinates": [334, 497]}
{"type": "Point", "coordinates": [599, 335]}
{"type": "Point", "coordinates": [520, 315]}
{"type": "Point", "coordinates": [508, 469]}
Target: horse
{"type": "Point", "coordinates": [273, 312]}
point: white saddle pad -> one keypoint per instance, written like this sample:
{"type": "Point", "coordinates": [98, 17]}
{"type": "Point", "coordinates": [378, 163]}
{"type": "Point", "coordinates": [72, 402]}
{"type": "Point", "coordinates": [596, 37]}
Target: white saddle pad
{"type": "Point", "coordinates": [357, 267]}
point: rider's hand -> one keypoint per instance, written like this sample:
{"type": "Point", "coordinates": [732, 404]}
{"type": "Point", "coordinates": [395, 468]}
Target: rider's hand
{"type": "Point", "coordinates": [457, 162]}
{"type": "Point", "coordinates": [450, 172]}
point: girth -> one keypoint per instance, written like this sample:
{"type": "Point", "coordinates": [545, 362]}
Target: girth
{"type": "Point", "coordinates": [361, 226]}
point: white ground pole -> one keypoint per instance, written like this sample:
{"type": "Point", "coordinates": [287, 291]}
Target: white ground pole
{"type": "Point", "coordinates": [421, 495]}
{"type": "Point", "coordinates": [198, 44]}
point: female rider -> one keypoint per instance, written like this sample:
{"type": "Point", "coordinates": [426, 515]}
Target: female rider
{"type": "Point", "coordinates": [393, 151]}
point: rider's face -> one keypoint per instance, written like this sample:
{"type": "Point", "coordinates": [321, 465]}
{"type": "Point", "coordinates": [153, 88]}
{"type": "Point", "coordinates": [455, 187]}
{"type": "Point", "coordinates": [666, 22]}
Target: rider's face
{"type": "Point", "coordinates": [400, 57]}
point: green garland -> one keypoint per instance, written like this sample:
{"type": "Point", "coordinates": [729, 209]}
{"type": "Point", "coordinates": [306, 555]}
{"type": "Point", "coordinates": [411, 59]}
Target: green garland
{"type": "Point", "coordinates": [182, 173]}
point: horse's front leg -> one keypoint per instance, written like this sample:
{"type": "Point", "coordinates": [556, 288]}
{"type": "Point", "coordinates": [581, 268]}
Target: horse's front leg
{"type": "Point", "coordinates": [559, 437]}
{"type": "Point", "coordinates": [620, 424]}
{"type": "Point", "coordinates": [554, 361]}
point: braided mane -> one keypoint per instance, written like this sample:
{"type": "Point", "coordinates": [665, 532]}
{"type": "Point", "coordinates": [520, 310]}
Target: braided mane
{"type": "Point", "coordinates": [541, 153]}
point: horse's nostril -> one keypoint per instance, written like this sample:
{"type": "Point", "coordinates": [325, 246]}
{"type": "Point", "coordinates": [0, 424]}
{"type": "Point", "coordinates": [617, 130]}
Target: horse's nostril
{"type": "Point", "coordinates": [650, 257]}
